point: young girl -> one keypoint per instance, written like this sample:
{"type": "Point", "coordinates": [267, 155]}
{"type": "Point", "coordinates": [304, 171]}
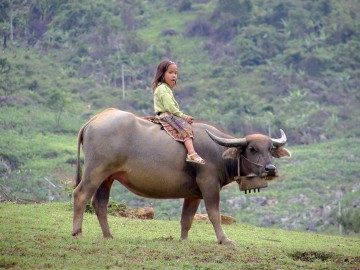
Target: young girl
{"type": "Point", "coordinates": [175, 122]}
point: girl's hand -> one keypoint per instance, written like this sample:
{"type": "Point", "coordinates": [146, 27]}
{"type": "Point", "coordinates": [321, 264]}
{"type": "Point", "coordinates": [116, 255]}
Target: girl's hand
{"type": "Point", "coordinates": [189, 119]}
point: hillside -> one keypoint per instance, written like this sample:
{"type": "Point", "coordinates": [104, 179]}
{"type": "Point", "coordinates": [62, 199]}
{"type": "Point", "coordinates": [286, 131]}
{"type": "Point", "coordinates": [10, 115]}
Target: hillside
{"type": "Point", "coordinates": [245, 66]}
{"type": "Point", "coordinates": [38, 237]}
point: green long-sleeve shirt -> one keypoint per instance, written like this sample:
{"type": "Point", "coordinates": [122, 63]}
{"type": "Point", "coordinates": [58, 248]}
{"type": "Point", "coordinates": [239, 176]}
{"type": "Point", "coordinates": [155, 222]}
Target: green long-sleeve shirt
{"type": "Point", "coordinates": [164, 101]}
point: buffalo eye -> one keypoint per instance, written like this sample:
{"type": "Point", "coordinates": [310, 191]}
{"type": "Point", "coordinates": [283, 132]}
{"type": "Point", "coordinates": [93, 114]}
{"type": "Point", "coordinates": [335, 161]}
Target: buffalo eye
{"type": "Point", "coordinates": [252, 149]}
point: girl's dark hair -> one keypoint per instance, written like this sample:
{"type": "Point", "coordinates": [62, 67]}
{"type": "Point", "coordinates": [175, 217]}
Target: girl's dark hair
{"type": "Point", "coordinates": [159, 74]}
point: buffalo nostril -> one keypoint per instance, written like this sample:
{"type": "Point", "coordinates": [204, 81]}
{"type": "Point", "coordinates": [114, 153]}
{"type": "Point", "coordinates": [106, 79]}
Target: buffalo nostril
{"type": "Point", "coordinates": [270, 168]}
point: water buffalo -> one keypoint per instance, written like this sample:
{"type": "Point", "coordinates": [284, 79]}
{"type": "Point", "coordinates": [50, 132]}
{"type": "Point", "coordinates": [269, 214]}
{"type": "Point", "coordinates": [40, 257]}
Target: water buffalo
{"type": "Point", "coordinates": [118, 145]}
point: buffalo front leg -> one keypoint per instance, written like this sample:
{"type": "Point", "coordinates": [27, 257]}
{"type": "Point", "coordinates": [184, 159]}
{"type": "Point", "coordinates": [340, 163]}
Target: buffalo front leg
{"type": "Point", "coordinates": [212, 203]}
{"type": "Point", "coordinates": [187, 216]}
{"type": "Point", "coordinates": [99, 202]}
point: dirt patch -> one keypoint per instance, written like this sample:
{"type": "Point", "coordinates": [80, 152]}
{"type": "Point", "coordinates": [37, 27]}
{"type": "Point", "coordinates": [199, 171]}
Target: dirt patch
{"type": "Point", "coordinates": [7, 264]}
{"type": "Point", "coordinates": [310, 256]}
{"type": "Point", "coordinates": [165, 239]}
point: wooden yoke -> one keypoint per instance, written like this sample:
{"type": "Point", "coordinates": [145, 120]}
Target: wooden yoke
{"type": "Point", "coordinates": [251, 183]}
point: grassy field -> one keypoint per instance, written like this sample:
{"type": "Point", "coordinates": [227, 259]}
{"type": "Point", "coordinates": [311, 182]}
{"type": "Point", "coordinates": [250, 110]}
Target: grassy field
{"type": "Point", "coordinates": [37, 236]}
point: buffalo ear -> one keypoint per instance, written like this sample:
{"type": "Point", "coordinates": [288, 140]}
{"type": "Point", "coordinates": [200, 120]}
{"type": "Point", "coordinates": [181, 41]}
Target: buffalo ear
{"type": "Point", "coordinates": [280, 152]}
{"type": "Point", "coordinates": [230, 153]}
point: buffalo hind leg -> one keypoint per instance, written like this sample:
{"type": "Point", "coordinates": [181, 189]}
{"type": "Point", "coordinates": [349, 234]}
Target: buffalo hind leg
{"type": "Point", "coordinates": [187, 216]}
{"type": "Point", "coordinates": [99, 202]}
{"type": "Point", "coordinates": [81, 196]}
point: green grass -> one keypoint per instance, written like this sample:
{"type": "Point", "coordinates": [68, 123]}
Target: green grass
{"type": "Point", "coordinates": [37, 236]}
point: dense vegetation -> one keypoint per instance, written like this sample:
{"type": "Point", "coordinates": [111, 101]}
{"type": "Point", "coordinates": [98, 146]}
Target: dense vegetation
{"type": "Point", "coordinates": [38, 237]}
{"type": "Point", "coordinates": [245, 66]}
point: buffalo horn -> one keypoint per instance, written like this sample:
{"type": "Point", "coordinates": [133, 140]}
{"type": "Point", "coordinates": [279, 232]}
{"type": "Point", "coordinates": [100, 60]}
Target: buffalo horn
{"type": "Point", "coordinates": [281, 141]}
{"type": "Point", "coordinates": [227, 142]}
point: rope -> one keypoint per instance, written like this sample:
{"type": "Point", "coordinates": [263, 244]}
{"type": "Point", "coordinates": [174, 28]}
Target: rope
{"type": "Point", "coordinates": [238, 177]}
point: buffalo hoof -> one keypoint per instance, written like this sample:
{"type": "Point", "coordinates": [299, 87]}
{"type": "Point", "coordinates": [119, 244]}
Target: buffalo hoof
{"type": "Point", "coordinates": [227, 242]}
{"type": "Point", "coordinates": [77, 233]}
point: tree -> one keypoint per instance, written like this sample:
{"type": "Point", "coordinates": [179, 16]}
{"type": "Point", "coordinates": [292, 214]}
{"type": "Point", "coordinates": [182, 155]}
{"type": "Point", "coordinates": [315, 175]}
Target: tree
{"type": "Point", "coordinates": [14, 14]}
{"type": "Point", "coordinates": [57, 101]}
{"type": "Point", "coordinates": [185, 5]}
{"type": "Point", "coordinates": [5, 68]}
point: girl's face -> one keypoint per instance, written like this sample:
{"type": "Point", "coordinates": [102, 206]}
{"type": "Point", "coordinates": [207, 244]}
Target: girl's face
{"type": "Point", "coordinates": [170, 75]}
